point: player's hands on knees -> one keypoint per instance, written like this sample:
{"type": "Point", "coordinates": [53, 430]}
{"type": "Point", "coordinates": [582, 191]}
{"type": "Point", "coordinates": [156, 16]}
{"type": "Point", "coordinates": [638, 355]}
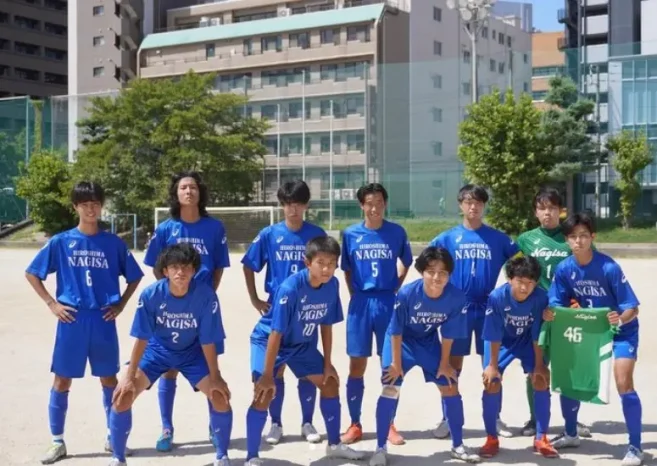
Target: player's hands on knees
{"type": "Point", "coordinates": [261, 306]}
{"type": "Point", "coordinates": [491, 374]}
{"type": "Point", "coordinates": [265, 388]}
{"type": "Point", "coordinates": [541, 376]}
{"type": "Point", "coordinates": [63, 313]}
{"type": "Point", "coordinates": [125, 391]}
{"type": "Point", "coordinates": [574, 304]}
{"type": "Point", "coordinates": [613, 317]}
{"type": "Point", "coordinates": [548, 315]}
{"type": "Point", "coordinates": [330, 373]}
{"type": "Point", "coordinates": [446, 370]}
{"type": "Point", "coordinates": [393, 372]}
{"type": "Point", "coordinates": [112, 312]}
{"type": "Point", "coordinates": [219, 385]}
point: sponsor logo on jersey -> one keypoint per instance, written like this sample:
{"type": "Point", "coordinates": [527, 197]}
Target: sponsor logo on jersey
{"type": "Point", "coordinates": [489, 311]}
{"type": "Point", "coordinates": [215, 306]}
{"type": "Point", "coordinates": [224, 239]}
{"type": "Point", "coordinates": [397, 304]}
{"type": "Point", "coordinates": [537, 240]}
{"type": "Point", "coordinates": [72, 244]}
{"type": "Point", "coordinates": [359, 239]}
{"type": "Point", "coordinates": [256, 239]}
{"type": "Point", "coordinates": [279, 239]}
{"type": "Point", "coordinates": [303, 300]}
{"type": "Point", "coordinates": [624, 279]}
{"type": "Point", "coordinates": [507, 309]}
{"type": "Point", "coordinates": [175, 232]}
{"type": "Point", "coordinates": [417, 306]}
{"type": "Point", "coordinates": [464, 310]}
{"type": "Point", "coordinates": [585, 316]}
{"type": "Point", "coordinates": [283, 300]}
{"type": "Point", "coordinates": [458, 238]}
{"type": "Point", "coordinates": [163, 305]}
{"type": "Point", "coordinates": [547, 253]}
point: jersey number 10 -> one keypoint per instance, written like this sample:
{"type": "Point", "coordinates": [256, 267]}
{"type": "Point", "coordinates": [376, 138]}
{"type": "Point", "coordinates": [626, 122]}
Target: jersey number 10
{"type": "Point", "coordinates": [573, 334]}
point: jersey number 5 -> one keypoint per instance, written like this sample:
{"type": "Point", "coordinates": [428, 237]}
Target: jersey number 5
{"type": "Point", "coordinates": [375, 269]}
{"type": "Point", "coordinates": [573, 334]}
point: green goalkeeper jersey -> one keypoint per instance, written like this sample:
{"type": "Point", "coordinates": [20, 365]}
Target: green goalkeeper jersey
{"type": "Point", "coordinates": [579, 343]}
{"type": "Point", "coordinates": [549, 247]}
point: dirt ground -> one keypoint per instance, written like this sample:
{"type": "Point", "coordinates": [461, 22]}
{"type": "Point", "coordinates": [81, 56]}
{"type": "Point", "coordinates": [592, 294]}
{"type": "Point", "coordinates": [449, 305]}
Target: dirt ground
{"type": "Point", "coordinates": [26, 338]}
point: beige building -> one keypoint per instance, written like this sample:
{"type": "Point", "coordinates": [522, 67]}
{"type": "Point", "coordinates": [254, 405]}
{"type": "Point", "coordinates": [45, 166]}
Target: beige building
{"type": "Point", "coordinates": [547, 61]}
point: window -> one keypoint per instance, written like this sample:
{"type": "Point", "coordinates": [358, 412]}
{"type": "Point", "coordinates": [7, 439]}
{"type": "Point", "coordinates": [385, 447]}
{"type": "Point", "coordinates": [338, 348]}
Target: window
{"type": "Point", "coordinates": [543, 71]}
{"type": "Point", "coordinates": [4, 18]}
{"type": "Point", "coordinates": [297, 75]}
{"type": "Point", "coordinates": [27, 74]}
{"type": "Point", "coordinates": [98, 41]}
{"type": "Point", "coordinates": [437, 14]}
{"type": "Point", "coordinates": [525, 87]}
{"type": "Point", "coordinates": [55, 78]}
{"type": "Point", "coordinates": [437, 114]}
{"type": "Point", "coordinates": [330, 36]}
{"type": "Point", "coordinates": [467, 56]}
{"type": "Point", "coordinates": [55, 4]}
{"type": "Point", "coordinates": [466, 88]}
{"type": "Point", "coordinates": [26, 23]}
{"type": "Point", "coordinates": [437, 148]}
{"type": "Point", "coordinates": [209, 51]}
{"type": "Point", "coordinates": [484, 32]}
{"type": "Point", "coordinates": [300, 39]}
{"type": "Point", "coordinates": [508, 41]}
{"type": "Point", "coordinates": [494, 34]}
{"type": "Point", "coordinates": [437, 48]}
{"type": "Point", "coordinates": [356, 142]}
{"type": "Point", "coordinates": [493, 65]}
{"type": "Point", "coordinates": [294, 109]}
{"type": "Point", "coordinates": [4, 44]}
{"type": "Point", "coordinates": [55, 29]}
{"type": "Point", "coordinates": [268, 112]}
{"type": "Point", "coordinates": [328, 72]}
{"type": "Point", "coordinates": [525, 58]}
{"type": "Point", "coordinates": [247, 47]}
{"type": "Point", "coordinates": [99, 71]}
{"type": "Point", "coordinates": [501, 38]}
{"type": "Point", "coordinates": [4, 70]}
{"type": "Point", "coordinates": [271, 43]}
{"type": "Point", "coordinates": [437, 81]}
{"type": "Point", "coordinates": [355, 106]}
{"type": "Point", "coordinates": [27, 49]}
{"type": "Point", "coordinates": [99, 10]}
{"type": "Point", "coordinates": [55, 54]}
{"type": "Point", "coordinates": [358, 33]}
{"type": "Point", "coordinates": [539, 95]}
{"type": "Point", "coordinates": [500, 67]}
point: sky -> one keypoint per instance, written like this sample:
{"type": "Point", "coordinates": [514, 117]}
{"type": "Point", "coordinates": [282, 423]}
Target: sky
{"type": "Point", "coordinates": [545, 14]}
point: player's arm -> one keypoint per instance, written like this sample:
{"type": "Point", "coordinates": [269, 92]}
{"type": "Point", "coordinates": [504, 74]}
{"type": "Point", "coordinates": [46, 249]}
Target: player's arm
{"type": "Point", "coordinates": [156, 245]}
{"type": "Point", "coordinates": [345, 264]}
{"type": "Point", "coordinates": [143, 329]}
{"type": "Point", "coordinates": [626, 300]}
{"type": "Point", "coordinates": [209, 332]}
{"type": "Point", "coordinates": [492, 334]}
{"type": "Point", "coordinates": [406, 260]}
{"type": "Point", "coordinates": [221, 257]}
{"type": "Point", "coordinates": [216, 278]}
{"type": "Point", "coordinates": [254, 260]}
{"type": "Point", "coordinates": [396, 327]}
{"type": "Point", "coordinates": [283, 308]}
{"type": "Point", "coordinates": [559, 293]}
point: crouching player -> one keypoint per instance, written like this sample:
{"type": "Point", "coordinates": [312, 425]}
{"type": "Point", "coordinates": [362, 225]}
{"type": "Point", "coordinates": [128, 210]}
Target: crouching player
{"type": "Point", "coordinates": [176, 325]}
{"type": "Point", "coordinates": [412, 340]}
{"type": "Point", "coordinates": [287, 335]}
{"type": "Point", "coordinates": [512, 325]}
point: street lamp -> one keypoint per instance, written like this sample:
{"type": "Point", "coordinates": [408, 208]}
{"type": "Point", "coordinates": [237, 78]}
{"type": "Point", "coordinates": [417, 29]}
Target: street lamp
{"type": "Point", "coordinates": [474, 14]}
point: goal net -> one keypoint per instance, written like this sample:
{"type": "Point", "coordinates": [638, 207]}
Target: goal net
{"type": "Point", "coordinates": [242, 224]}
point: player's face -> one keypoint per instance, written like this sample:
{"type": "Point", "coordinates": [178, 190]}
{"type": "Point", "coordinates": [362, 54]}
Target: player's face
{"type": "Point", "coordinates": [435, 277]}
{"type": "Point", "coordinates": [89, 212]}
{"type": "Point", "coordinates": [548, 215]}
{"type": "Point", "coordinates": [294, 211]}
{"type": "Point", "coordinates": [322, 267]}
{"type": "Point", "coordinates": [521, 288]}
{"type": "Point", "coordinates": [580, 239]}
{"type": "Point", "coordinates": [472, 209]}
{"type": "Point", "coordinates": [374, 207]}
{"type": "Point", "coordinates": [180, 274]}
{"type": "Point", "coordinates": [188, 192]}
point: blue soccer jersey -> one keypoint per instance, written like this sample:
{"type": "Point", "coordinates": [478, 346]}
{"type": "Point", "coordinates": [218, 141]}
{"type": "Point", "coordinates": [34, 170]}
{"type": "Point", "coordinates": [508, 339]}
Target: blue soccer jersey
{"type": "Point", "coordinates": [479, 256]}
{"type": "Point", "coordinates": [208, 237]}
{"type": "Point", "coordinates": [371, 256]}
{"type": "Point", "coordinates": [281, 250]}
{"type": "Point", "coordinates": [298, 310]}
{"type": "Point", "coordinates": [600, 283]}
{"type": "Point", "coordinates": [417, 316]}
{"type": "Point", "coordinates": [87, 267]}
{"type": "Point", "coordinates": [178, 325]}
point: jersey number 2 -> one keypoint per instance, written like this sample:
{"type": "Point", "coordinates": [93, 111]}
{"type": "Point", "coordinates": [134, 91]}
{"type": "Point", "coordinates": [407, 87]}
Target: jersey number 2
{"type": "Point", "coordinates": [573, 334]}
{"type": "Point", "coordinates": [174, 336]}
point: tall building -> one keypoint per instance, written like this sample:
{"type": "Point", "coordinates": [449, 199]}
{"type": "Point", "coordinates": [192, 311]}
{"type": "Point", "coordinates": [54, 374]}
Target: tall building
{"type": "Point", "coordinates": [547, 61]}
{"type": "Point", "coordinates": [522, 11]}
{"type": "Point", "coordinates": [33, 47]}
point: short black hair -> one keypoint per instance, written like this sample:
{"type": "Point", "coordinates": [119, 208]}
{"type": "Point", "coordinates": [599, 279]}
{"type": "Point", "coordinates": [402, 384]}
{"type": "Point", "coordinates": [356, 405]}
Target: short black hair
{"type": "Point", "coordinates": [574, 220]}
{"type": "Point", "coordinates": [371, 188]}
{"type": "Point", "coordinates": [322, 244]}
{"type": "Point", "coordinates": [87, 191]}
{"type": "Point", "coordinates": [472, 191]}
{"type": "Point", "coordinates": [432, 254]}
{"type": "Point", "coordinates": [293, 192]}
{"type": "Point", "coordinates": [174, 203]}
{"type": "Point", "coordinates": [178, 254]}
{"type": "Point", "coordinates": [551, 195]}
{"type": "Point", "coordinates": [523, 267]}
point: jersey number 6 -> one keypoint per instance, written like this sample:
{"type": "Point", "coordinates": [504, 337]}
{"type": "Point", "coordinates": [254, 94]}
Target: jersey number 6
{"type": "Point", "coordinates": [87, 275]}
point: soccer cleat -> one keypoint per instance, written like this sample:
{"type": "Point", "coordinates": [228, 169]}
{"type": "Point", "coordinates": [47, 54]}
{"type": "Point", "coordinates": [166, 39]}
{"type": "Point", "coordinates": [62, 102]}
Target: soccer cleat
{"type": "Point", "coordinates": [394, 437]}
{"type": "Point", "coordinates": [254, 462]}
{"type": "Point", "coordinates": [165, 442]}
{"type": "Point", "coordinates": [275, 434]}
{"type": "Point", "coordinates": [564, 440]}
{"type": "Point", "coordinates": [354, 434]}
{"type": "Point", "coordinates": [56, 451]}
{"type": "Point", "coordinates": [442, 430]}
{"type": "Point", "coordinates": [222, 462]}
{"type": "Point", "coordinates": [491, 448]}
{"type": "Point", "coordinates": [529, 429]}
{"type": "Point", "coordinates": [108, 448]}
{"type": "Point", "coordinates": [344, 452]}
{"type": "Point", "coordinates": [502, 429]}
{"type": "Point", "coordinates": [379, 458]}
{"type": "Point", "coordinates": [464, 453]}
{"type": "Point", "coordinates": [309, 432]}
{"type": "Point", "coordinates": [545, 448]}
{"type": "Point", "coordinates": [583, 430]}
{"type": "Point", "coordinates": [116, 462]}
{"type": "Point", "coordinates": [633, 457]}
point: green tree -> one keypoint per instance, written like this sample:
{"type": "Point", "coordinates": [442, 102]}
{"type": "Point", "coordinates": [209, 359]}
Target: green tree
{"type": "Point", "coordinates": [133, 143]}
{"type": "Point", "coordinates": [631, 154]}
{"type": "Point", "coordinates": [501, 149]}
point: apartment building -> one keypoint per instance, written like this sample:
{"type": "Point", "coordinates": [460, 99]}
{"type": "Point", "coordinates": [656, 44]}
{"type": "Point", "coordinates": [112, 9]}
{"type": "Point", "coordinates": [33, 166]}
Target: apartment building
{"type": "Point", "coordinates": [547, 61]}
{"type": "Point", "coordinates": [33, 55]}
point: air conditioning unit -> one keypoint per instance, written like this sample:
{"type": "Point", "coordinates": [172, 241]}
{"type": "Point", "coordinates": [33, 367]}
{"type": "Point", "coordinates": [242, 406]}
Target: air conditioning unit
{"type": "Point", "coordinates": [215, 21]}
{"type": "Point", "coordinates": [283, 12]}
{"type": "Point", "coordinates": [204, 22]}
{"type": "Point", "coordinates": [348, 194]}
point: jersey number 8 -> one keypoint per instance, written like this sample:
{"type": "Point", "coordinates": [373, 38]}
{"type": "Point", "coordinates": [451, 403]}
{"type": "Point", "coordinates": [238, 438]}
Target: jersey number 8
{"type": "Point", "coordinates": [573, 334]}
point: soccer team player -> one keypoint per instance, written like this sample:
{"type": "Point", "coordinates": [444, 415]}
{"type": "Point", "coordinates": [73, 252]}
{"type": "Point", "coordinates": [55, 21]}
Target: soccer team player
{"type": "Point", "coordinates": [281, 248]}
{"type": "Point", "coordinates": [189, 223]}
{"type": "Point", "coordinates": [87, 262]}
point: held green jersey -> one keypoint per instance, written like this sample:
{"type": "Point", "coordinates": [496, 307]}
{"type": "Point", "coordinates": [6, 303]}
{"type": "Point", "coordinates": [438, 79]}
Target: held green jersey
{"type": "Point", "coordinates": [549, 247]}
{"type": "Point", "coordinates": [579, 343]}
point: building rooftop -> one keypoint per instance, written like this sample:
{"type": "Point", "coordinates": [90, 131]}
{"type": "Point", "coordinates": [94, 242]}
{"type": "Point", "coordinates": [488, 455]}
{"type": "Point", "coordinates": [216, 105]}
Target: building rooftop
{"type": "Point", "coordinates": [261, 27]}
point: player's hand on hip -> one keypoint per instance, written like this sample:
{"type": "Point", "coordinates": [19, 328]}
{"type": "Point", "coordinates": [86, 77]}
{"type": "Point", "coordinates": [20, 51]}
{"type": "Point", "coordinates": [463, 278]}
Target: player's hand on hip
{"type": "Point", "coordinates": [574, 304]}
{"type": "Point", "coordinates": [219, 386]}
{"type": "Point", "coordinates": [393, 372]}
{"type": "Point", "coordinates": [264, 388]}
{"type": "Point", "coordinates": [63, 313]}
{"type": "Point", "coordinates": [112, 312]}
{"type": "Point", "coordinates": [125, 388]}
{"type": "Point", "coordinates": [548, 315]}
{"type": "Point", "coordinates": [330, 373]}
{"type": "Point", "coordinates": [613, 317]}
{"type": "Point", "coordinates": [449, 373]}
{"type": "Point", "coordinates": [491, 374]}
{"type": "Point", "coordinates": [261, 306]}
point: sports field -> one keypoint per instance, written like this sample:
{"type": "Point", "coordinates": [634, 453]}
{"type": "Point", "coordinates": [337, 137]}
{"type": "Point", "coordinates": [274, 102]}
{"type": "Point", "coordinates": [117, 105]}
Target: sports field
{"type": "Point", "coordinates": [27, 332]}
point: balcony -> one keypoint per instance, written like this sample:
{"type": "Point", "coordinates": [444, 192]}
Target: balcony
{"type": "Point", "coordinates": [315, 159]}
{"type": "Point", "coordinates": [562, 44]}
{"type": "Point", "coordinates": [316, 125]}
{"type": "Point", "coordinates": [129, 62]}
{"type": "Point", "coordinates": [134, 8]}
{"type": "Point", "coordinates": [259, 91]}
{"type": "Point", "coordinates": [130, 32]}
{"type": "Point", "coordinates": [567, 16]}
{"type": "Point", "coordinates": [596, 25]}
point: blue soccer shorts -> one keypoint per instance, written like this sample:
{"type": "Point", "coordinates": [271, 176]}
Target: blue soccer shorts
{"type": "Point", "coordinates": [476, 315]}
{"type": "Point", "coordinates": [523, 352]}
{"type": "Point", "coordinates": [626, 346]}
{"type": "Point", "coordinates": [90, 338]}
{"type": "Point", "coordinates": [425, 355]}
{"type": "Point", "coordinates": [368, 316]}
{"type": "Point", "coordinates": [303, 360]}
{"type": "Point", "coordinates": [157, 360]}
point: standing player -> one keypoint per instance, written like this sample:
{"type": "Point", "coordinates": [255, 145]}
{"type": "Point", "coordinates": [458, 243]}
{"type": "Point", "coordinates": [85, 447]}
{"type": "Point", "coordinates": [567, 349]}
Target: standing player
{"type": "Point", "coordinates": [287, 335]}
{"type": "Point", "coordinates": [189, 223]}
{"type": "Point", "coordinates": [370, 253]}
{"type": "Point", "coordinates": [549, 246]}
{"type": "Point", "coordinates": [422, 307]}
{"type": "Point", "coordinates": [176, 325]}
{"type": "Point", "coordinates": [479, 253]}
{"type": "Point", "coordinates": [512, 326]}
{"type": "Point", "coordinates": [281, 248]}
{"type": "Point", "coordinates": [595, 280]}
{"type": "Point", "coordinates": [88, 263]}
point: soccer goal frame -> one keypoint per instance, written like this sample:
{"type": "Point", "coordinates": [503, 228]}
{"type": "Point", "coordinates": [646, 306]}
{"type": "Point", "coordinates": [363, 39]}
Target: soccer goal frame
{"type": "Point", "coordinates": [113, 224]}
{"type": "Point", "coordinates": [217, 210]}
